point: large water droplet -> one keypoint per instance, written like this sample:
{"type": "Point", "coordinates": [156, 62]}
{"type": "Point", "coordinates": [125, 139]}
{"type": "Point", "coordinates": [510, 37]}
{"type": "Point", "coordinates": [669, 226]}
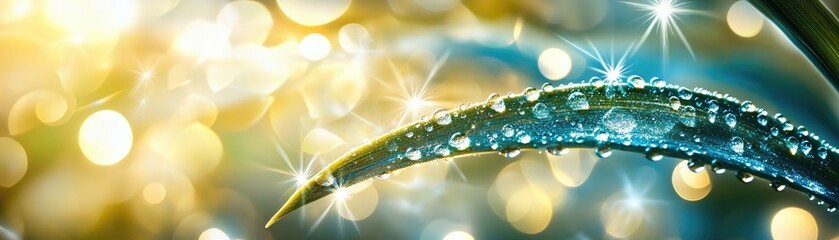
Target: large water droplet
{"type": "Point", "coordinates": [802, 130]}
{"type": "Point", "coordinates": [805, 147]}
{"type": "Point", "coordinates": [730, 119]}
{"type": "Point", "coordinates": [524, 138]}
{"type": "Point", "coordinates": [459, 141]}
{"type": "Point", "coordinates": [496, 103]}
{"type": "Point", "coordinates": [557, 150]}
{"type": "Point", "coordinates": [442, 150]}
{"type": "Point", "coordinates": [442, 117]}
{"type": "Point", "coordinates": [657, 82]}
{"type": "Point", "coordinates": [653, 154]}
{"type": "Point", "coordinates": [685, 93]}
{"type": "Point", "coordinates": [409, 134]}
{"type": "Point", "coordinates": [774, 131]}
{"type": "Point", "coordinates": [510, 152]}
{"type": "Point", "coordinates": [737, 145]}
{"type": "Point", "coordinates": [507, 130]}
{"type": "Point", "coordinates": [745, 177]}
{"type": "Point", "coordinates": [637, 81]}
{"type": "Point", "coordinates": [325, 179]}
{"type": "Point", "coordinates": [747, 106]}
{"type": "Point", "coordinates": [675, 103]}
{"type": "Point", "coordinates": [712, 117]}
{"type": "Point", "coordinates": [413, 154]}
{"type": "Point", "coordinates": [713, 105]}
{"type": "Point", "coordinates": [547, 87]}
{"type": "Point", "coordinates": [778, 186]}
{"type": "Point", "coordinates": [687, 116]}
{"type": "Point", "coordinates": [603, 151]}
{"type": "Point", "coordinates": [716, 167]}
{"type": "Point", "coordinates": [619, 120]}
{"type": "Point", "coordinates": [577, 101]}
{"type": "Point", "coordinates": [762, 118]}
{"type": "Point", "coordinates": [531, 94]}
{"type": "Point", "coordinates": [696, 166]}
{"type": "Point", "coordinates": [792, 144]}
{"type": "Point", "coordinates": [541, 111]}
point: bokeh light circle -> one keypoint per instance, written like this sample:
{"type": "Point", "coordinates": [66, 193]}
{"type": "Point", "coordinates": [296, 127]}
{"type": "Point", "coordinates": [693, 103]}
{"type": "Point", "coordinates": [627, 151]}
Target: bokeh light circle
{"type": "Point", "coordinates": [105, 137]}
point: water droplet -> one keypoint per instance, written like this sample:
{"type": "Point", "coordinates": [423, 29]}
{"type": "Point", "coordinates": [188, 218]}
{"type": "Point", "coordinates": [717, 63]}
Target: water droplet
{"type": "Point", "coordinates": [774, 131]}
{"type": "Point", "coordinates": [637, 81]}
{"type": "Point", "coordinates": [730, 119]}
{"type": "Point", "coordinates": [685, 93]}
{"type": "Point", "coordinates": [778, 186]}
{"type": "Point", "coordinates": [413, 154]}
{"type": "Point", "coordinates": [822, 152]}
{"type": "Point", "coordinates": [442, 150]}
{"type": "Point", "coordinates": [780, 117]}
{"type": "Point", "coordinates": [325, 179]}
{"type": "Point", "coordinates": [547, 87]}
{"type": "Point", "coordinates": [657, 82]}
{"type": "Point", "coordinates": [442, 117]}
{"type": "Point", "coordinates": [531, 94]}
{"type": "Point", "coordinates": [745, 177]}
{"type": "Point", "coordinates": [792, 144]}
{"type": "Point", "coordinates": [459, 141]}
{"type": "Point", "coordinates": [747, 106]}
{"type": "Point", "coordinates": [696, 166]}
{"type": "Point", "coordinates": [507, 130]}
{"type": "Point", "coordinates": [493, 144]}
{"type": "Point", "coordinates": [601, 136]}
{"type": "Point", "coordinates": [716, 167]}
{"type": "Point", "coordinates": [524, 138]}
{"type": "Point", "coordinates": [805, 147]}
{"type": "Point", "coordinates": [541, 111]}
{"type": "Point", "coordinates": [737, 145]}
{"type": "Point", "coordinates": [596, 82]}
{"type": "Point", "coordinates": [409, 134]}
{"type": "Point", "coordinates": [429, 127]}
{"type": "Point", "coordinates": [762, 118]}
{"type": "Point", "coordinates": [603, 151]}
{"type": "Point", "coordinates": [713, 105]}
{"type": "Point", "coordinates": [688, 116]}
{"type": "Point", "coordinates": [496, 103]}
{"type": "Point", "coordinates": [675, 103]}
{"type": "Point", "coordinates": [510, 152]}
{"type": "Point", "coordinates": [802, 130]}
{"type": "Point", "coordinates": [653, 155]}
{"type": "Point", "coordinates": [831, 209]}
{"type": "Point", "coordinates": [385, 175]}
{"type": "Point", "coordinates": [557, 150]}
{"type": "Point", "coordinates": [712, 117]}
{"type": "Point", "coordinates": [577, 101]}
{"type": "Point", "coordinates": [787, 127]}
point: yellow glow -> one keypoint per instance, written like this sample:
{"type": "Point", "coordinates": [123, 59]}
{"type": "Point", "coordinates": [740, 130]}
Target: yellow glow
{"type": "Point", "coordinates": [313, 13]}
{"type": "Point", "coordinates": [689, 185]}
{"type": "Point", "coordinates": [13, 162]}
{"type": "Point", "coordinates": [204, 40]}
{"type": "Point", "coordinates": [11, 10]}
{"type": "Point", "coordinates": [333, 89]}
{"type": "Point", "coordinates": [744, 19]}
{"type": "Point", "coordinates": [314, 47]}
{"type": "Point", "coordinates": [248, 21]}
{"type": "Point", "coordinates": [94, 19]}
{"type": "Point", "coordinates": [105, 137]}
{"type": "Point", "coordinates": [196, 108]}
{"type": "Point", "coordinates": [529, 211]}
{"type": "Point", "coordinates": [458, 235]}
{"type": "Point", "coordinates": [794, 224]}
{"type": "Point", "coordinates": [319, 141]}
{"type": "Point", "coordinates": [44, 106]}
{"type": "Point", "coordinates": [154, 193]}
{"type": "Point", "coordinates": [554, 63]}
{"type": "Point", "coordinates": [353, 38]}
{"type": "Point", "coordinates": [213, 234]}
{"type": "Point", "coordinates": [196, 149]}
{"type": "Point", "coordinates": [574, 168]}
{"type": "Point", "coordinates": [359, 201]}
{"type": "Point", "coordinates": [621, 217]}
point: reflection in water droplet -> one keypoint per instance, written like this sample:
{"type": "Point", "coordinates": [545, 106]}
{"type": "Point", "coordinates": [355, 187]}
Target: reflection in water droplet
{"type": "Point", "coordinates": [657, 82]}
{"type": "Point", "coordinates": [507, 130]}
{"type": "Point", "coordinates": [510, 152]}
{"type": "Point", "coordinates": [747, 106]}
{"type": "Point", "coordinates": [730, 119]}
{"type": "Point", "coordinates": [688, 116]}
{"type": "Point", "coordinates": [442, 117]}
{"type": "Point", "coordinates": [557, 150]}
{"type": "Point", "coordinates": [653, 155]}
{"type": "Point", "coordinates": [792, 144]}
{"type": "Point", "coordinates": [531, 94]}
{"type": "Point", "coordinates": [822, 152]}
{"type": "Point", "coordinates": [413, 154]}
{"type": "Point", "coordinates": [717, 167]}
{"type": "Point", "coordinates": [805, 147]}
{"type": "Point", "coordinates": [577, 101]}
{"type": "Point", "coordinates": [541, 111]}
{"type": "Point", "coordinates": [685, 93]}
{"type": "Point", "coordinates": [737, 145]}
{"type": "Point", "coordinates": [675, 103]}
{"type": "Point", "coordinates": [637, 81]}
{"type": "Point", "coordinates": [745, 177]}
{"type": "Point", "coordinates": [778, 186]}
{"type": "Point", "coordinates": [524, 138]}
{"type": "Point", "coordinates": [459, 141]}
{"type": "Point", "coordinates": [762, 118]}
{"type": "Point", "coordinates": [696, 166]}
{"type": "Point", "coordinates": [496, 103]}
{"type": "Point", "coordinates": [603, 151]}
{"type": "Point", "coordinates": [619, 120]}
{"type": "Point", "coordinates": [713, 105]}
